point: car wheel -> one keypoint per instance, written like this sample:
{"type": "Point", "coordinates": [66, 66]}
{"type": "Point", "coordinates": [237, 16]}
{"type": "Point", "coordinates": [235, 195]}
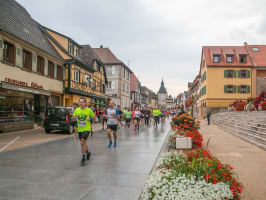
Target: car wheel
{"type": "Point", "coordinates": [71, 129]}
{"type": "Point", "coordinates": [47, 131]}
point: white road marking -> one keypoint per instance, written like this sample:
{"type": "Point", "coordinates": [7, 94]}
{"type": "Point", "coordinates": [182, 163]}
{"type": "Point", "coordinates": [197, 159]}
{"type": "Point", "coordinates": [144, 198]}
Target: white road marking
{"type": "Point", "coordinates": [9, 143]}
{"type": "Point", "coordinates": [32, 141]}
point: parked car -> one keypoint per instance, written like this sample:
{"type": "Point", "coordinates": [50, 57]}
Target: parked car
{"type": "Point", "coordinates": [59, 118]}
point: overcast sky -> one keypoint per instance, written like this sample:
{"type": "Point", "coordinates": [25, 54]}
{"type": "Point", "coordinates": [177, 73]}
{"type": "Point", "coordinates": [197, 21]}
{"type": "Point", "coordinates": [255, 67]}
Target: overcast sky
{"type": "Point", "coordinates": [158, 38]}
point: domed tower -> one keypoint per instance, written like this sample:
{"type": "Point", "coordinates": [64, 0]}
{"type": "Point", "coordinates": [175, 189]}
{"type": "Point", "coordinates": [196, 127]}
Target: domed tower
{"type": "Point", "coordinates": [162, 95]}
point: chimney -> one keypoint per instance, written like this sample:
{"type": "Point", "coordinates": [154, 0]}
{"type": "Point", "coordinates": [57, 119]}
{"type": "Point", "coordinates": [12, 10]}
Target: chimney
{"type": "Point", "coordinates": [101, 46]}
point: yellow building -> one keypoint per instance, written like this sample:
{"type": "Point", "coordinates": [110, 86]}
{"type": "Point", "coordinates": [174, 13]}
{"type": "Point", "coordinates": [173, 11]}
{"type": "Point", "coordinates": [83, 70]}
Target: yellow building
{"type": "Point", "coordinates": [225, 77]}
{"type": "Point", "coordinates": [84, 72]}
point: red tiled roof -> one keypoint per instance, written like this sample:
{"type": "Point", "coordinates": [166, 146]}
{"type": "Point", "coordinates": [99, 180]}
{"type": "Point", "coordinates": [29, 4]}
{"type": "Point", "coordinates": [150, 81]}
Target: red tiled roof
{"type": "Point", "coordinates": [259, 56]}
{"type": "Point", "coordinates": [208, 51]}
{"type": "Point", "coordinates": [107, 56]}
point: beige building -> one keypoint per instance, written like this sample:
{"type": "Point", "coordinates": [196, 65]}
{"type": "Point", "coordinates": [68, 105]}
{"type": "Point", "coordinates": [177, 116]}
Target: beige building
{"type": "Point", "coordinates": [31, 71]}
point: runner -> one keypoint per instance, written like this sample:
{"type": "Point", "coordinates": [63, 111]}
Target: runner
{"type": "Point", "coordinates": [147, 114]}
{"type": "Point", "coordinates": [137, 117]}
{"type": "Point", "coordinates": [75, 105]}
{"type": "Point", "coordinates": [156, 116]}
{"type": "Point", "coordinates": [120, 116]}
{"type": "Point", "coordinates": [112, 116]}
{"type": "Point", "coordinates": [104, 116]}
{"type": "Point", "coordinates": [128, 116]}
{"type": "Point", "coordinates": [83, 115]}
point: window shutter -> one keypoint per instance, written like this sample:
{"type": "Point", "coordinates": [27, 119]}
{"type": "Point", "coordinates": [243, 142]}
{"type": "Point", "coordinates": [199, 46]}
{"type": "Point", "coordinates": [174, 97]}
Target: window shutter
{"type": "Point", "coordinates": [248, 73]}
{"type": "Point", "coordinates": [45, 66]}
{"type": "Point", "coordinates": [55, 70]}
{"type": "Point", "coordinates": [113, 69]}
{"type": "Point", "coordinates": [113, 84]}
{"type": "Point", "coordinates": [34, 62]}
{"type": "Point", "coordinates": [239, 88]}
{"type": "Point", "coordinates": [1, 49]}
{"type": "Point", "coordinates": [238, 72]}
{"type": "Point", "coordinates": [18, 56]}
{"type": "Point", "coordinates": [248, 89]}
{"type": "Point", "coordinates": [234, 89]}
{"type": "Point", "coordinates": [225, 89]}
{"type": "Point", "coordinates": [234, 73]}
{"type": "Point", "coordinates": [225, 73]}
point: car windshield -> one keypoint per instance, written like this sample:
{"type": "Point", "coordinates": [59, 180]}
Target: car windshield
{"type": "Point", "coordinates": [56, 111]}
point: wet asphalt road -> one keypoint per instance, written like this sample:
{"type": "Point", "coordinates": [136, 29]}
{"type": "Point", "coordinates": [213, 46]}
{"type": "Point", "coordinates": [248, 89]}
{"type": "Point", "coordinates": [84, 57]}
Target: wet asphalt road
{"type": "Point", "coordinates": [51, 171]}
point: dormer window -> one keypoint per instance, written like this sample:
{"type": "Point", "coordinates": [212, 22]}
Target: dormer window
{"type": "Point", "coordinates": [242, 58]}
{"type": "Point", "coordinates": [229, 58]}
{"type": "Point", "coordinates": [216, 58]}
{"type": "Point", "coordinates": [70, 47]}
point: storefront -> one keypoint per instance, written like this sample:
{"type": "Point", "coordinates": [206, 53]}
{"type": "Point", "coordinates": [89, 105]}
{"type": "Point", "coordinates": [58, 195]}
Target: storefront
{"type": "Point", "coordinates": [24, 102]}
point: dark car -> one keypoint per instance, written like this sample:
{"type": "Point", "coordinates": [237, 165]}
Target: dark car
{"type": "Point", "coordinates": [59, 118]}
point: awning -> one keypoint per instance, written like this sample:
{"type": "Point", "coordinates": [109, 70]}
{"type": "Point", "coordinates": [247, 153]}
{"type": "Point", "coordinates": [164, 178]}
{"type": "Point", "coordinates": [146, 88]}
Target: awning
{"type": "Point", "coordinates": [20, 88]}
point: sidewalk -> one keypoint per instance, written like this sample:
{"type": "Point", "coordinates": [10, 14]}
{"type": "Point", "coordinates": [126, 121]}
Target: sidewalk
{"type": "Point", "coordinates": [248, 160]}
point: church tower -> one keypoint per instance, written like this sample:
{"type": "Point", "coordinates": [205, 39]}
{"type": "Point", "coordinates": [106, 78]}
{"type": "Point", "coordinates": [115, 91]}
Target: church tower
{"type": "Point", "coordinates": [162, 95]}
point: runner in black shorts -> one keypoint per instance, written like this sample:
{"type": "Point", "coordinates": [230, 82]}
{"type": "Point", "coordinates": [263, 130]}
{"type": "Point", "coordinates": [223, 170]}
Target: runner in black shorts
{"type": "Point", "coordinates": [112, 116]}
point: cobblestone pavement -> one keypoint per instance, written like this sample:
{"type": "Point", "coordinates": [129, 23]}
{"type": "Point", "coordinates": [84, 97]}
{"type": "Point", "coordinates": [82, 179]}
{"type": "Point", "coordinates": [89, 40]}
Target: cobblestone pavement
{"type": "Point", "coordinates": [248, 160]}
{"type": "Point", "coordinates": [51, 170]}
{"type": "Point", "coordinates": [21, 139]}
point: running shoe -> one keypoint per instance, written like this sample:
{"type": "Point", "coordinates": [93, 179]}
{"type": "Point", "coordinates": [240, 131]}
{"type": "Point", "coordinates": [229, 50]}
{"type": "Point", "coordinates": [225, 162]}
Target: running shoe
{"type": "Point", "coordinates": [114, 144]}
{"type": "Point", "coordinates": [88, 155]}
{"type": "Point", "coordinates": [83, 162]}
{"type": "Point", "coordinates": [110, 144]}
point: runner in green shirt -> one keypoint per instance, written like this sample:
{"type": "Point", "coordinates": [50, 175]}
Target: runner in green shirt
{"type": "Point", "coordinates": [83, 114]}
{"type": "Point", "coordinates": [128, 116]}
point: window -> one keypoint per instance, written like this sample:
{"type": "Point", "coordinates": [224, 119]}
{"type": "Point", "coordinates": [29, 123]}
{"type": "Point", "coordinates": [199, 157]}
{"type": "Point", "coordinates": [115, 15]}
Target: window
{"type": "Point", "coordinates": [229, 89]}
{"type": "Point", "coordinates": [256, 49]}
{"type": "Point", "coordinates": [229, 58]}
{"type": "Point", "coordinates": [243, 89]}
{"type": "Point", "coordinates": [40, 64]}
{"type": "Point", "coordinates": [243, 58]}
{"type": "Point", "coordinates": [109, 84]}
{"type": "Point", "coordinates": [102, 88]}
{"type": "Point", "coordinates": [243, 73]}
{"type": "Point", "coordinates": [77, 52]}
{"type": "Point", "coordinates": [27, 59]}
{"type": "Point", "coordinates": [76, 75]}
{"type": "Point", "coordinates": [98, 67]}
{"type": "Point", "coordinates": [229, 73]}
{"type": "Point", "coordinates": [59, 73]}
{"type": "Point", "coordinates": [124, 87]}
{"type": "Point", "coordinates": [70, 47]}
{"type": "Point", "coordinates": [216, 58]}
{"type": "Point", "coordinates": [124, 73]}
{"type": "Point", "coordinates": [108, 70]}
{"type": "Point", "coordinates": [50, 69]}
{"type": "Point", "coordinates": [127, 89]}
{"type": "Point", "coordinates": [94, 84]}
{"type": "Point", "coordinates": [8, 53]}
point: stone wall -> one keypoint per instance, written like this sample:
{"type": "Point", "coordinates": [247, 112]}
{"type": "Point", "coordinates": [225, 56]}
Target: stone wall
{"type": "Point", "coordinates": [15, 126]}
{"type": "Point", "coordinates": [261, 85]}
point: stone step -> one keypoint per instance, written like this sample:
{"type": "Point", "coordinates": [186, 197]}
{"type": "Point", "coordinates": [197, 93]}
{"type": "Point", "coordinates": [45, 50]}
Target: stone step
{"type": "Point", "coordinates": [249, 140]}
{"type": "Point", "coordinates": [244, 134]}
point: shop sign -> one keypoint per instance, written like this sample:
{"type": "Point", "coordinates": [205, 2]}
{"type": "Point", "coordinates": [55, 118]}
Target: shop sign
{"type": "Point", "coordinates": [34, 85]}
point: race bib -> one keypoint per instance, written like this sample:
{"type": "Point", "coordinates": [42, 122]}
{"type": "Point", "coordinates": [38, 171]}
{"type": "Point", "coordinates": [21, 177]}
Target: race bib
{"type": "Point", "coordinates": [82, 123]}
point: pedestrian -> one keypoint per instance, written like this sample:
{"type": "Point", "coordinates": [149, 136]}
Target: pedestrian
{"type": "Point", "coordinates": [147, 114]}
{"type": "Point", "coordinates": [120, 116]}
{"type": "Point", "coordinates": [156, 115]}
{"type": "Point", "coordinates": [112, 117]}
{"type": "Point", "coordinates": [128, 116]}
{"type": "Point", "coordinates": [83, 114]}
{"type": "Point", "coordinates": [209, 117]}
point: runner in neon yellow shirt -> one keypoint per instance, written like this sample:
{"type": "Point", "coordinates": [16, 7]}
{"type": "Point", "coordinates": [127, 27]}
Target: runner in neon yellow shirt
{"type": "Point", "coordinates": [156, 115]}
{"type": "Point", "coordinates": [83, 114]}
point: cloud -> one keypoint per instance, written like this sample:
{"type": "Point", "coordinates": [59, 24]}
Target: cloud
{"type": "Point", "coordinates": [159, 38]}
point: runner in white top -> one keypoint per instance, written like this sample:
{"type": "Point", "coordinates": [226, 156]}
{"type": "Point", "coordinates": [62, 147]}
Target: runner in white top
{"type": "Point", "coordinates": [137, 116]}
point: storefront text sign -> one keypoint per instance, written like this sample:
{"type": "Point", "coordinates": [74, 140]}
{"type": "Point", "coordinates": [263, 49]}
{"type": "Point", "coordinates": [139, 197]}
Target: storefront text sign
{"type": "Point", "coordinates": [34, 85]}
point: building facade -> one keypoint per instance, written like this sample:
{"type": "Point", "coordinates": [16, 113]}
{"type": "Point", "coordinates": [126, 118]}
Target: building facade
{"type": "Point", "coordinates": [84, 72]}
{"type": "Point", "coordinates": [162, 95]}
{"type": "Point", "coordinates": [118, 75]}
{"type": "Point", "coordinates": [225, 77]}
{"type": "Point", "coordinates": [135, 87]}
{"type": "Point", "coordinates": [31, 70]}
